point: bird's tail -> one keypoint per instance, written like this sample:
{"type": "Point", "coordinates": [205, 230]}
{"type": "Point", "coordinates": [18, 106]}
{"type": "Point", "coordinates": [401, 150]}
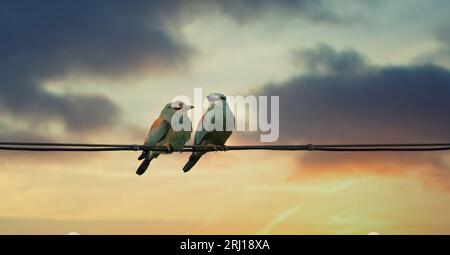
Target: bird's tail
{"type": "Point", "coordinates": [143, 155]}
{"type": "Point", "coordinates": [192, 161]}
{"type": "Point", "coordinates": [147, 159]}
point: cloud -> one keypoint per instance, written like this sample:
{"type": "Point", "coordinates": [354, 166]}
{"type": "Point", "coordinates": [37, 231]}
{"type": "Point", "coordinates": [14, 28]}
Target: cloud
{"type": "Point", "coordinates": [440, 55]}
{"type": "Point", "coordinates": [46, 40]}
{"type": "Point", "coordinates": [9, 133]}
{"type": "Point", "coordinates": [312, 10]}
{"type": "Point", "coordinates": [325, 60]}
{"type": "Point", "coordinates": [322, 12]}
{"type": "Point", "coordinates": [428, 167]}
{"type": "Point", "coordinates": [105, 37]}
{"type": "Point", "coordinates": [343, 99]}
{"type": "Point", "coordinates": [443, 35]}
{"type": "Point", "coordinates": [443, 38]}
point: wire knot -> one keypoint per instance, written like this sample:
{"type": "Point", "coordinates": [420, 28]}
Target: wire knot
{"type": "Point", "coordinates": [310, 147]}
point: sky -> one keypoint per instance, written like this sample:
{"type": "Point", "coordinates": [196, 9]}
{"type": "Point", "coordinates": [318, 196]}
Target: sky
{"type": "Point", "coordinates": [345, 71]}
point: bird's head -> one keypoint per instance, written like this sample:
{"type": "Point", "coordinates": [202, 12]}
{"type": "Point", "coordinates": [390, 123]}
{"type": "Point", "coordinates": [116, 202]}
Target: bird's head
{"type": "Point", "coordinates": [213, 97]}
{"type": "Point", "coordinates": [180, 106]}
{"type": "Point", "coordinates": [176, 106]}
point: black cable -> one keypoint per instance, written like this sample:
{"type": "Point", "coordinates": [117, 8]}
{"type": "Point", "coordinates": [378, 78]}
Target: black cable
{"type": "Point", "coordinates": [20, 146]}
{"type": "Point", "coordinates": [381, 149]}
{"type": "Point", "coordinates": [16, 148]}
{"type": "Point", "coordinates": [66, 144]}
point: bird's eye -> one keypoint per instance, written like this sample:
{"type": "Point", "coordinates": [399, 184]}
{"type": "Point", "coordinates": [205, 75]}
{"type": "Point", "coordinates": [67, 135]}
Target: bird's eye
{"type": "Point", "coordinates": [177, 106]}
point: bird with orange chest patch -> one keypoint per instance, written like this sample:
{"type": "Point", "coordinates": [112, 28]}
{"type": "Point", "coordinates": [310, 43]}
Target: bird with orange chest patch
{"type": "Point", "coordinates": [161, 133]}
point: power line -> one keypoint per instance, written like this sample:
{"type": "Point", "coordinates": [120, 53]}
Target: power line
{"type": "Point", "coordinates": [86, 147]}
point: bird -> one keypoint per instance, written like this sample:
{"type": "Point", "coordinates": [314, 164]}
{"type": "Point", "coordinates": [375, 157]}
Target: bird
{"type": "Point", "coordinates": [161, 133]}
{"type": "Point", "coordinates": [209, 136]}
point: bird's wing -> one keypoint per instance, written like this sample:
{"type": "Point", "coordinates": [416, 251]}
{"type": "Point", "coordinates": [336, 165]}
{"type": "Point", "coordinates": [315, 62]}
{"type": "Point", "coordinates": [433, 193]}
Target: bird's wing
{"type": "Point", "coordinates": [202, 131]}
{"type": "Point", "coordinates": [187, 134]}
{"type": "Point", "coordinates": [158, 130]}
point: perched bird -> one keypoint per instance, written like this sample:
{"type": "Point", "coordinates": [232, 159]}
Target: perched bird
{"type": "Point", "coordinates": [208, 135]}
{"type": "Point", "coordinates": [162, 133]}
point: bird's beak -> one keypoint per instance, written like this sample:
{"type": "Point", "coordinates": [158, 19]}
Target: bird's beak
{"type": "Point", "coordinates": [188, 107]}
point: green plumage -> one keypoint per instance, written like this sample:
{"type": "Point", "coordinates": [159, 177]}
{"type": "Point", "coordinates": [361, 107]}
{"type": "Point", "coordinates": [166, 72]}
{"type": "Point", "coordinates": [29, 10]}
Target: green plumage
{"type": "Point", "coordinates": [162, 134]}
{"type": "Point", "coordinates": [213, 137]}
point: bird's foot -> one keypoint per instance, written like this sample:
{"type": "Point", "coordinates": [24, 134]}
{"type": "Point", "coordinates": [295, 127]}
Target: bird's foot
{"type": "Point", "coordinates": [213, 147]}
{"type": "Point", "coordinates": [168, 147]}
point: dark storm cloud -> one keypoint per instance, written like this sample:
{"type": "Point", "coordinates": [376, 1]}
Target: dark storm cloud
{"type": "Point", "coordinates": [45, 40]}
{"type": "Point", "coordinates": [343, 99]}
{"type": "Point", "coordinates": [103, 36]}
{"type": "Point", "coordinates": [42, 40]}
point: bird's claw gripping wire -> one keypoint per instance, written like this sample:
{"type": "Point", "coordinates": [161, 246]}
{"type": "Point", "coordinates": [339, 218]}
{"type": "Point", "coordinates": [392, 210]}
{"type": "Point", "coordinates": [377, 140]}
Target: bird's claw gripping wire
{"type": "Point", "coordinates": [168, 147]}
{"type": "Point", "coordinates": [213, 147]}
